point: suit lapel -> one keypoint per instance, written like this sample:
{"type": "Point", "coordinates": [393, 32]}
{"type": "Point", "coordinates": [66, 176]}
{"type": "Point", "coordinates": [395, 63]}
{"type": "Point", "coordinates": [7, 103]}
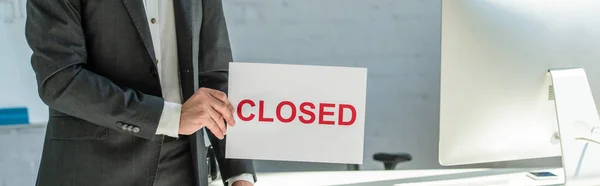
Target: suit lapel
{"type": "Point", "coordinates": [183, 21]}
{"type": "Point", "coordinates": [138, 16]}
{"type": "Point", "coordinates": [188, 16]}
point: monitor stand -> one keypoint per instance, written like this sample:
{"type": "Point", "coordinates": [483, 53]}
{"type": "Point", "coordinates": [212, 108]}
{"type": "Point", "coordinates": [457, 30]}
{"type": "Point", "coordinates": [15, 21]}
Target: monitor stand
{"type": "Point", "coordinates": [578, 125]}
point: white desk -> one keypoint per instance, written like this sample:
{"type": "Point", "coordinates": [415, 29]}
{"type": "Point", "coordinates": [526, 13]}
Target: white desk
{"type": "Point", "coordinates": [441, 177]}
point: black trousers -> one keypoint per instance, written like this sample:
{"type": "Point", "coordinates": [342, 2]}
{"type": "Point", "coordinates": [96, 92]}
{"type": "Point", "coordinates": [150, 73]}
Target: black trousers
{"type": "Point", "coordinates": [175, 164]}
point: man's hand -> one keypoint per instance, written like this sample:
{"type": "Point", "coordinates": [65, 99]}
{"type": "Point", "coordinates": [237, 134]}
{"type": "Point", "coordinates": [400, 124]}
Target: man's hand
{"type": "Point", "coordinates": [206, 108]}
{"type": "Point", "coordinates": [242, 183]}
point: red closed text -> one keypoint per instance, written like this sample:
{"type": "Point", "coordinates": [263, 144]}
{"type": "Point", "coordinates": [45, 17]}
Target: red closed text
{"type": "Point", "coordinates": [305, 112]}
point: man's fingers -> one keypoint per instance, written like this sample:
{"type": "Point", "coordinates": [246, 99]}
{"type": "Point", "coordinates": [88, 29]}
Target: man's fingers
{"type": "Point", "coordinates": [221, 96]}
{"type": "Point", "coordinates": [230, 107]}
{"type": "Point", "coordinates": [219, 102]}
{"type": "Point", "coordinates": [217, 119]}
{"type": "Point", "coordinates": [224, 110]}
{"type": "Point", "coordinates": [217, 94]}
{"type": "Point", "coordinates": [212, 126]}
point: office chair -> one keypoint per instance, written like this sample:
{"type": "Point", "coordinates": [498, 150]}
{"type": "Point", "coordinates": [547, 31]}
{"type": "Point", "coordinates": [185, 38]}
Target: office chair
{"type": "Point", "coordinates": [390, 161]}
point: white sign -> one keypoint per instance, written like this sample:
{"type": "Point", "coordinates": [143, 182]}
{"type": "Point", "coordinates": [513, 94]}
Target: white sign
{"type": "Point", "coordinates": [297, 113]}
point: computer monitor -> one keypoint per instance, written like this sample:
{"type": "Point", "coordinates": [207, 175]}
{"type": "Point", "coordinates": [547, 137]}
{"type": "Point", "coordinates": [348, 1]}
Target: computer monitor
{"type": "Point", "coordinates": [495, 100]}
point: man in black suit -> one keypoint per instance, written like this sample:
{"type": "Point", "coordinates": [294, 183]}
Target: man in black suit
{"type": "Point", "coordinates": [130, 85]}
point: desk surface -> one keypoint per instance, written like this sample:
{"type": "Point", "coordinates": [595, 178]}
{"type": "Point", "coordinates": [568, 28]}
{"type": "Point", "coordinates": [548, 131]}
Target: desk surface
{"type": "Point", "coordinates": [441, 177]}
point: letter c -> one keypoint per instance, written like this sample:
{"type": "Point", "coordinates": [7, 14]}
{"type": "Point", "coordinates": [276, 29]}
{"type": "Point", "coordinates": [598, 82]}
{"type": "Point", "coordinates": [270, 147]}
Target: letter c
{"type": "Point", "coordinates": [239, 109]}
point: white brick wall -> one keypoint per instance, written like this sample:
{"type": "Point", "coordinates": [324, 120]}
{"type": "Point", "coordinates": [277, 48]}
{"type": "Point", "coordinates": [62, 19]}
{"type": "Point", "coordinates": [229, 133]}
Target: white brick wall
{"type": "Point", "coordinates": [397, 40]}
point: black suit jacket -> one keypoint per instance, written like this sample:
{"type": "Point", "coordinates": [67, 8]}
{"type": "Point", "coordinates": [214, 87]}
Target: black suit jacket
{"type": "Point", "coordinates": [96, 70]}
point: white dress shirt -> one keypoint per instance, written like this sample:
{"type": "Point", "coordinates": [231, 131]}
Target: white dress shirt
{"type": "Point", "coordinates": [161, 19]}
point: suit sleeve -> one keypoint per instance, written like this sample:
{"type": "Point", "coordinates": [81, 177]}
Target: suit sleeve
{"type": "Point", "coordinates": [215, 55]}
{"type": "Point", "coordinates": [55, 35]}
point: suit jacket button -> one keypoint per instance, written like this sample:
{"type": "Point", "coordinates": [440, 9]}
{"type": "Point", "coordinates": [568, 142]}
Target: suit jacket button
{"type": "Point", "coordinates": [119, 124]}
{"type": "Point", "coordinates": [136, 129]}
{"type": "Point", "coordinates": [130, 128]}
{"type": "Point", "coordinates": [124, 126]}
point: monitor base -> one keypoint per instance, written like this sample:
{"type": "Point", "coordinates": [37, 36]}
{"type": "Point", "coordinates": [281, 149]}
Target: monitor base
{"type": "Point", "coordinates": [578, 124]}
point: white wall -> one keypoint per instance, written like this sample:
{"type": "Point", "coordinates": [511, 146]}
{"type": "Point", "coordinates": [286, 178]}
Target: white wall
{"type": "Point", "coordinates": [397, 40]}
{"type": "Point", "coordinates": [20, 148]}
{"type": "Point", "coordinates": [17, 81]}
